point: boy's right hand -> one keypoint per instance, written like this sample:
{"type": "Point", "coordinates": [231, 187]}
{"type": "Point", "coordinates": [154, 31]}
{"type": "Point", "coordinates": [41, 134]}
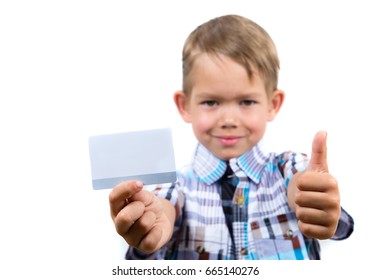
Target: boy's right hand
{"type": "Point", "coordinates": [145, 221]}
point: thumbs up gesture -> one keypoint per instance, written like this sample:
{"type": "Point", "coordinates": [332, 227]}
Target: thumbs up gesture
{"type": "Point", "coordinates": [314, 194]}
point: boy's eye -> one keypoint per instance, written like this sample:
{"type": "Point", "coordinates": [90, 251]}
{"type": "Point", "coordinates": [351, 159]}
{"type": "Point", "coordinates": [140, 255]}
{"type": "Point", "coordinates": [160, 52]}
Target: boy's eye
{"type": "Point", "coordinates": [210, 103]}
{"type": "Point", "coordinates": [248, 102]}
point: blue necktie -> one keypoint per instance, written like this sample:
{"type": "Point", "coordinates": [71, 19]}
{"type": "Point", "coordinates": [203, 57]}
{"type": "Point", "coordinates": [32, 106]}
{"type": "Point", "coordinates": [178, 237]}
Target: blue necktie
{"type": "Point", "coordinates": [228, 190]}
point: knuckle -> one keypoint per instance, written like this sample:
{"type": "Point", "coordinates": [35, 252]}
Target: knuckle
{"type": "Point", "coordinates": [334, 217]}
{"type": "Point", "coordinates": [332, 183]}
{"type": "Point", "coordinates": [150, 242]}
{"type": "Point", "coordinates": [112, 197]}
{"type": "Point", "coordinates": [298, 197]}
{"type": "Point", "coordinates": [148, 245]}
{"type": "Point", "coordinates": [301, 179]}
{"type": "Point", "coordinates": [145, 223]}
{"type": "Point", "coordinates": [304, 228]}
{"type": "Point", "coordinates": [123, 217]}
{"type": "Point", "coordinates": [130, 213]}
{"type": "Point", "coordinates": [334, 203]}
{"type": "Point", "coordinates": [131, 240]}
{"type": "Point", "coordinates": [300, 214]}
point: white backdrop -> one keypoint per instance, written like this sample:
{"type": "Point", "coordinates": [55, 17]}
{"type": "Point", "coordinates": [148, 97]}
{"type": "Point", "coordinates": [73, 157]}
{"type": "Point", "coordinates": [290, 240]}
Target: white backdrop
{"type": "Point", "coordinates": [71, 69]}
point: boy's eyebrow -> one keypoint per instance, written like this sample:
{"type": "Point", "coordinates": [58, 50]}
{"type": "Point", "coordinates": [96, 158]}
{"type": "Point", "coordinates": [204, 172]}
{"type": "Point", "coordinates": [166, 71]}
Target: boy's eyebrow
{"type": "Point", "coordinates": [209, 95]}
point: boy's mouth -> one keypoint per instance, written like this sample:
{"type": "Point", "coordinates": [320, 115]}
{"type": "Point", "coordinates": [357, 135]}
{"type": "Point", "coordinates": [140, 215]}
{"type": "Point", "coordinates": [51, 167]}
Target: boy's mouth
{"type": "Point", "coordinates": [228, 140]}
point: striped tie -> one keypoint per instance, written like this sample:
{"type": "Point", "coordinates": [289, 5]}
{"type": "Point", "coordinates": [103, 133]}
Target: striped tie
{"type": "Point", "coordinates": [228, 190]}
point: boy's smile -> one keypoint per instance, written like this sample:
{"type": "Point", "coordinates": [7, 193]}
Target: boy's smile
{"type": "Point", "coordinates": [227, 109]}
{"type": "Point", "coordinates": [229, 140]}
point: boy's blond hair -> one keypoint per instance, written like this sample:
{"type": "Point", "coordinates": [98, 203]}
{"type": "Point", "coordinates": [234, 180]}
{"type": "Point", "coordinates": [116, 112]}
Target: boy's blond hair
{"type": "Point", "coordinates": [237, 38]}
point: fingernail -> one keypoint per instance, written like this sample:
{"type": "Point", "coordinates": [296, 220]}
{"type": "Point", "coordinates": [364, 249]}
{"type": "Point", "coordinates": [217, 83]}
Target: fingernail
{"type": "Point", "coordinates": [325, 133]}
{"type": "Point", "coordinates": [139, 184]}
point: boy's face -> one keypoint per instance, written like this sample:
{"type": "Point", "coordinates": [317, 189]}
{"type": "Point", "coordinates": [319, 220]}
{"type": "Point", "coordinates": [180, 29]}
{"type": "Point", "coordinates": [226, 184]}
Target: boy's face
{"type": "Point", "coordinates": [227, 109]}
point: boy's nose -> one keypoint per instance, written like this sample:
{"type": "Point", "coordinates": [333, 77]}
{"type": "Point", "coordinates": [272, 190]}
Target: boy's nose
{"type": "Point", "coordinates": [228, 118]}
{"type": "Point", "coordinates": [229, 124]}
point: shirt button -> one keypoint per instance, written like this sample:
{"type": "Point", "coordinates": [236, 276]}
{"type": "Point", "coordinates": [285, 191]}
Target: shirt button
{"type": "Point", "coordinates": [243, 251]}
{"type": "Point", "coordinates": [200, 249]}
{"type": "Point", "coordinates": [289, 233]}
{"type": "Point", "coordinates": [240, 200]}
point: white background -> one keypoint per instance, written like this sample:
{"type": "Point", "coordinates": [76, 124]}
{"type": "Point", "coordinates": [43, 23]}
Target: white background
{"type": "Point", "coordinates": [71, 69]}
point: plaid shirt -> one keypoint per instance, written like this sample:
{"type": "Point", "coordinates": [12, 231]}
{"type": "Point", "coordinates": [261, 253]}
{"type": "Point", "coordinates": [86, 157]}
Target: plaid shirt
{"type": "Point", "coordinates": [264, 227]}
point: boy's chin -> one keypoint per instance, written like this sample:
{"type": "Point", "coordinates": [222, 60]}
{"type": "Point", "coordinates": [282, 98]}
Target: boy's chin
{"type": "Point", "coordinates": [227, 155]}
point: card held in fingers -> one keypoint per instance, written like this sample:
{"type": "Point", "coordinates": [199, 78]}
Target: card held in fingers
{"type": "Point", "coordinates": [147, 156]}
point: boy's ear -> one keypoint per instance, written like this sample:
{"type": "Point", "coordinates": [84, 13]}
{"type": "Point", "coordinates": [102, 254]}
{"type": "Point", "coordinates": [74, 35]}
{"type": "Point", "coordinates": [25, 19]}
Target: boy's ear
{"type": "Point", "coordinates": [276, 102]}
{"type": "Point", "coordinates": [182, 104]}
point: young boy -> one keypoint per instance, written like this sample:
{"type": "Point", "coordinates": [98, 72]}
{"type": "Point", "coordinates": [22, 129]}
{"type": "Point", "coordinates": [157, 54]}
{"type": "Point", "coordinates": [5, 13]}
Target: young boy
{"type": "Point", "coordinates": [235, 201]}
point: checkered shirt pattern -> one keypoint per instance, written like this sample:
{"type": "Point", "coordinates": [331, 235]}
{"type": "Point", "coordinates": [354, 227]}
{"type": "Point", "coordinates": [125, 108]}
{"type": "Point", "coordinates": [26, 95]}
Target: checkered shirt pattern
{"type": "Point", "coordinates": [264, 227]}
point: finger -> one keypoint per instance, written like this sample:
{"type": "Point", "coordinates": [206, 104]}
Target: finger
{"type": "Point", "coordinates": [152, 240]}
{"type": "Point", "coordinates": [314, 231]}
{"type": "Point", "coordinates": [317, 200]}
{"type": "Point", "coordinates": [318, 160]}
{"type": "Point", "coordinates": [314, 181]}
{"type": "Point", "coordinates": [150, 200]}
{"type": "Point", "coordinates": [313, 216]}
{"type": "Point", "coordinates": [127, 217]}
{"type": "Point", "coordinates": [310, 199]}
{"type": "Point", "coordinates": [140, 228]}
{"type": "Point", "coordinates": [119, 195]}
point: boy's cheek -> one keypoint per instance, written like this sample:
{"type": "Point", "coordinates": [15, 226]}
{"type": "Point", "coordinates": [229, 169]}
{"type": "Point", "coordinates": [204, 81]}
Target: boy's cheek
{"type": "Point", "coordinates": [202, 123]}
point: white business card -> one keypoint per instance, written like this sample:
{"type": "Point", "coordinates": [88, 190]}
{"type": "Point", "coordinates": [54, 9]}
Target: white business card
{"type": "Point", "coordinates": [147, 156]}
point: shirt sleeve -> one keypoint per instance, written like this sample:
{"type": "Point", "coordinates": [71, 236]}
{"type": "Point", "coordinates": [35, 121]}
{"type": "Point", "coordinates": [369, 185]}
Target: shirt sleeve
{"type": "Point", "coordinates": [135, 254]}
{"type": "Point", "coordinates": [345, 226]}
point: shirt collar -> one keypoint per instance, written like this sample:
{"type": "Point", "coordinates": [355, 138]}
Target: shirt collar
{"type": "Point", "coordinates": [210, 169]}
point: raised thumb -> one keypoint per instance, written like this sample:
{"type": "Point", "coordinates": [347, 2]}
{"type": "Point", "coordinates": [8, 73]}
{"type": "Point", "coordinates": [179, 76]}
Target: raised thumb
{"type": "Point", "coordinates": [318, 160]}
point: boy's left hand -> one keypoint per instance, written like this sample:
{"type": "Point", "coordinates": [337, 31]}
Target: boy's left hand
{"type": "Point", "coordinates": [317, 198]}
